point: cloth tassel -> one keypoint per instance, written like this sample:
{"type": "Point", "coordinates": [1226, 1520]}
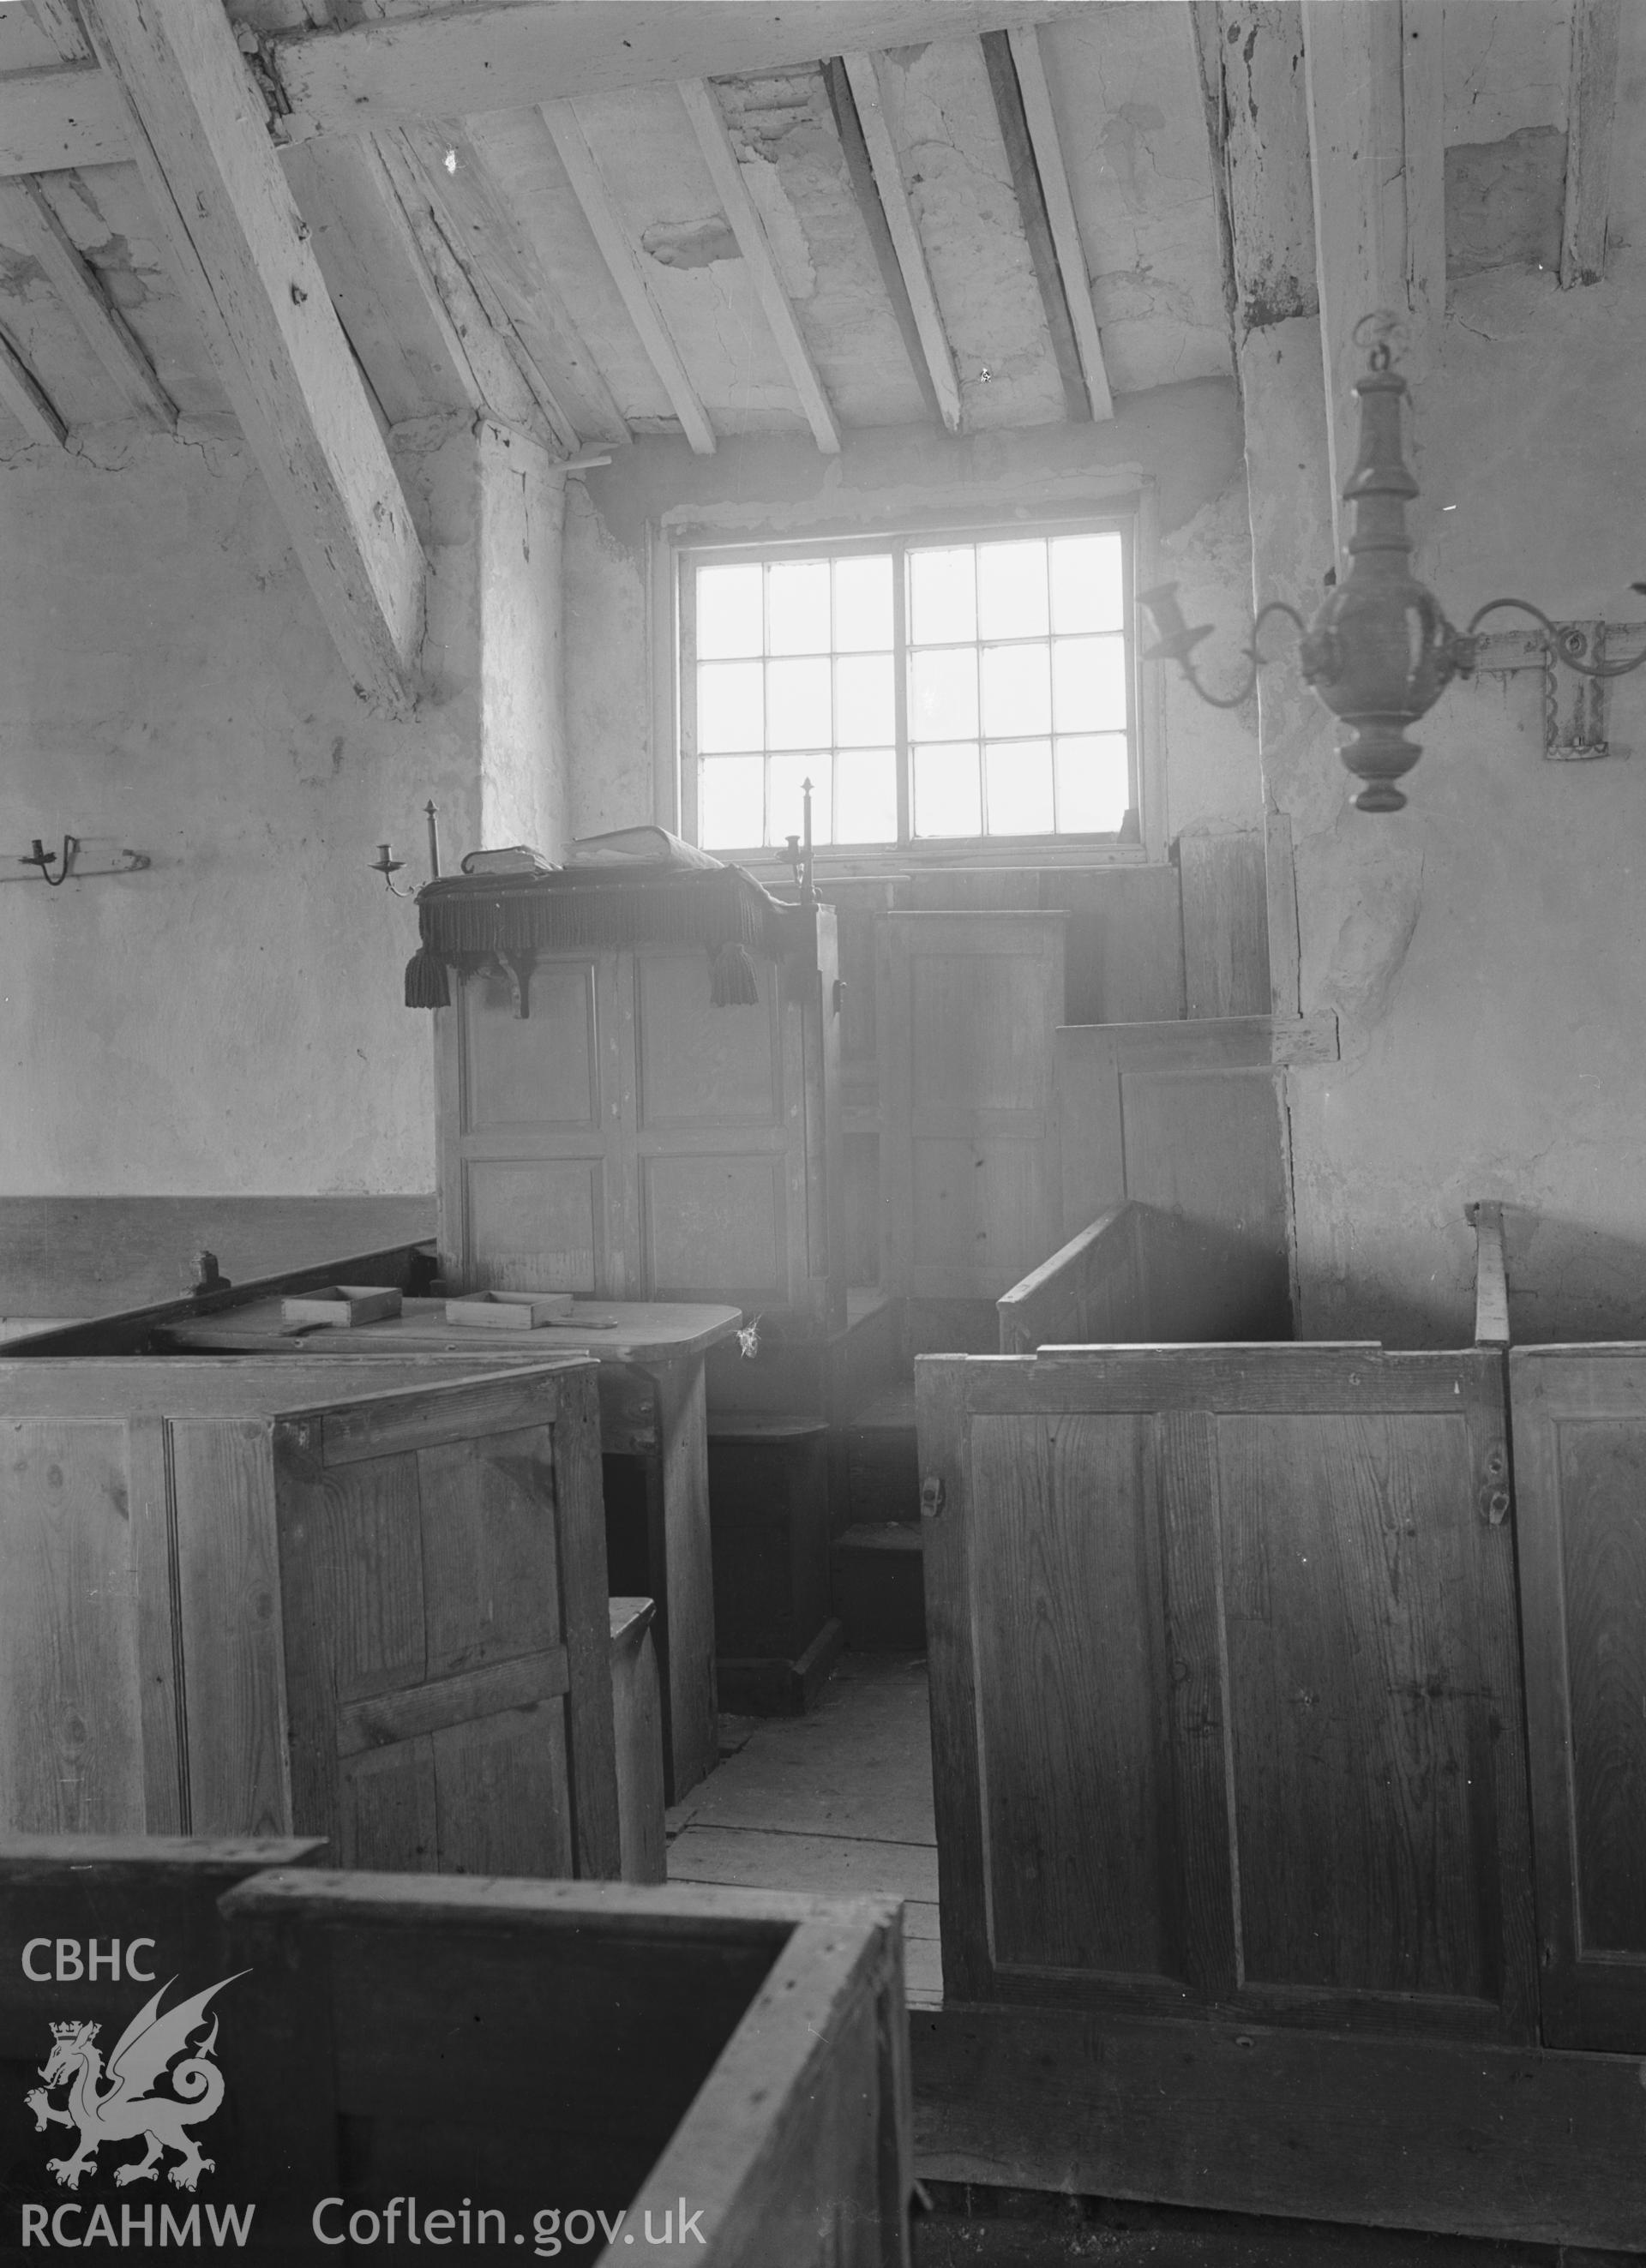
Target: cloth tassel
{"type": "Point", "coordinates": [732, 977]}
{"type": "Point", "coordinates": [426, 984]}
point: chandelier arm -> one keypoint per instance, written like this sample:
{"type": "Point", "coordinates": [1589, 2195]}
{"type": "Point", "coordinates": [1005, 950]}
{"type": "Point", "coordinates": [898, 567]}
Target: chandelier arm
{"type": "Point", "coordinates": [1520, 605]}
{"type": "Point", "coordinates": [1256, 659]}
{"type": "Point", "coordinates": [1553, 631]}
{"type": "Point", "coordinates": [1274, 607]}
{"type": "Point", "coordinates": [1604, 668]}
{"type": "Point", "coordinates": [1217, 701]}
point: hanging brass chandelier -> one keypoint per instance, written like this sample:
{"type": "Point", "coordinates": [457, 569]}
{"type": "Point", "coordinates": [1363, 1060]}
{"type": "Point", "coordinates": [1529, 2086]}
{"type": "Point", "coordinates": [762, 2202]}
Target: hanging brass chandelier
{"type": "Point", "coordinates": [1380, 651]}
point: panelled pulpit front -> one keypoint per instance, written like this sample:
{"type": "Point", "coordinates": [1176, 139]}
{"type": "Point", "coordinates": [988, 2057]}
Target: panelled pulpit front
{"type": "Point", "coordinates": [616, 1120]}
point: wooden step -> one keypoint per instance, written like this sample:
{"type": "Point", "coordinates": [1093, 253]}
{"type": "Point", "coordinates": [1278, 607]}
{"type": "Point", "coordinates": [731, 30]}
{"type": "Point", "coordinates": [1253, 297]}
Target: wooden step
{"type": "Point", "coordinates": [883, 1461]}
{"type": "Point", "coordinates": [879, 1587]}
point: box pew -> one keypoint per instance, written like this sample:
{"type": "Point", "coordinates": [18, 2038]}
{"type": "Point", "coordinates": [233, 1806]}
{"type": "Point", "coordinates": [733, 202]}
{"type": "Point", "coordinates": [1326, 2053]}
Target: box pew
{"type": "Point", "coordinates": [531, 2049]}
{"type": "Point", "coordinates": [738, 2057]}
{"type": "Point", "coordinates": [1238, 1777]}
{"type": "Point", "coordinates": [364, 1601]}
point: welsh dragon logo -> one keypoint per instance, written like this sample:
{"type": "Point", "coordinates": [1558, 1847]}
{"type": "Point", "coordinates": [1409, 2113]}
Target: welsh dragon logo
{"type": "Point", "coordinates": [125, 2108]}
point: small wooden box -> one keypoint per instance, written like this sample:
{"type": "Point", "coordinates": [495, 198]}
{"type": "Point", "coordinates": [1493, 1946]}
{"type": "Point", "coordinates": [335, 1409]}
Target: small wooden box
{"type": "Point", "coordinates": [342, 1304]}
{"type": "Point", "coordinates": [510, 1311]}
{"type": "Point", "coordinates": [289, 1596]}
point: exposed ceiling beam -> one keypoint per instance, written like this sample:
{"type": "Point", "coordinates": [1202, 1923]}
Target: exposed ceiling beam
{"type": "Point", "coordinates": [23, 395]}
{"type": "Point", "coordinates": [487, 57]}
{"type": "Point", "coordinates": [1592, 97]}
{"type": "Point", "coordinates": [29, 225]}
{"type": "Point", "coordinates": [1423, 172]}
{"type": "Point", "coordinates": [617, 249]}
{"type": "Point", "coordinates": [497, 382]}
{"type": "Point", "coordinates": [1031, 205]}
{"type": "Point", "coordinates": [54, 119]}
{"type": "Point", "coordinates": [709, 126]}
{"type": "Point", "coordinates": [465, 183]}
{"type": "Point", "coordinates": [1251, 61]}
{"type": "Point", "coordinates": [361, 243]}
{"type": "Point", "coordinates": [1364, 263]}
{"type": "Point", "coordinates": [391, 70]}
{"type": "Point", "coordinates": [1251, 65]}
{"type": "Point", "coordinates": [1060, 205]}
{"type": "Point", "coordinates": [60, 24]}
{"type": "Point", "coordinates": [242, 257]}
{"type": "Point", "coordinates": [868, 100]}
{"type": "Point", "coordinates": [457, 371]}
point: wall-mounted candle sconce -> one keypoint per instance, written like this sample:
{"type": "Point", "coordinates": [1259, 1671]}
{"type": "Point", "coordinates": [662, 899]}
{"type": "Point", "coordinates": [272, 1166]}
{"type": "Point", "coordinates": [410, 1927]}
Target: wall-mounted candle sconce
{"type": "Point", "coordinates": [387, 865]}
{"type": "Point", "coordinates": [38, 861]}
{"type": "Point", "coordinates": [799, 849]}
{"type": "Point", "coordinates": [44, 859]}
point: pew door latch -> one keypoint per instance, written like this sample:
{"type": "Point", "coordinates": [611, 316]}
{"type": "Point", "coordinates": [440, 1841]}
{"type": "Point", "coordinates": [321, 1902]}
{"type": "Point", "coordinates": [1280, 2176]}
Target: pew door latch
{"type": "Point", "coordinates": [1494, 1497]}
{"type": "Point", "coordinates": [931, 1496]}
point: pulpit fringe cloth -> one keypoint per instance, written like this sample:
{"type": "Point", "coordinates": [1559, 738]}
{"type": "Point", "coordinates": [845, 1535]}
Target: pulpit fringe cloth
{"type": "Point", "coordinates": [465, 919]}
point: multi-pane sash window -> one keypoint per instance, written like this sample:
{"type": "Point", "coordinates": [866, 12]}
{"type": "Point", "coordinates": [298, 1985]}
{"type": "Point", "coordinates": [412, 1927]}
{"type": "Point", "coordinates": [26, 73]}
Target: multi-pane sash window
{"type": "Point", "coordinates": [937, 689]}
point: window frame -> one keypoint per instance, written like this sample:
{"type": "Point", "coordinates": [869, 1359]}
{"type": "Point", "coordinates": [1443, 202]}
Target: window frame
{"type": "Point", "coordinates": [701, 546]}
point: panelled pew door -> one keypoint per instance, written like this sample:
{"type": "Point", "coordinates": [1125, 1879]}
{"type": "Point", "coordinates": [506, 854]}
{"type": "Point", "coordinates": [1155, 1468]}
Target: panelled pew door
{"type": "Point", "coordinates": [447, 1633]}
{"type": "Point", "coordinates": [1580, 1489]}
{"type": "Point", "coordinates": [1226, 1706]}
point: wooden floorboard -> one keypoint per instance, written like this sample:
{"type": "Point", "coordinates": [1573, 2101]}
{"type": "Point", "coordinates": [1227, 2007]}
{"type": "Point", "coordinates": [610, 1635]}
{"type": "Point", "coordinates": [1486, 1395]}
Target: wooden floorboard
{"type": "Point", "coordinates": [836, 1866]}
{"type": "Point", "coordinates": [838, 1802]}
{"type": "Point", "coordinates": [858, 1764]}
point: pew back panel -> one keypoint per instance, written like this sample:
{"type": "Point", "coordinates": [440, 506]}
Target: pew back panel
{"type": "Point", "coordinates": [1225, 1689]}
{"type": "Point", "coordinates": [1091, 1290]}
{"type": "Point", "coordinates": [1182, 1118]}
{"type": "Point", "coordinates": [246, 1597]}
{"type": "Point", "coordinates": [1580, 1474]}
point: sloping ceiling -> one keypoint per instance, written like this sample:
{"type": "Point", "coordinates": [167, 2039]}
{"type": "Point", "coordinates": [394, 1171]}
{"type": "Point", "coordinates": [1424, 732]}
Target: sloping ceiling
{"type": "Point", "coordinates": [1003, 221]}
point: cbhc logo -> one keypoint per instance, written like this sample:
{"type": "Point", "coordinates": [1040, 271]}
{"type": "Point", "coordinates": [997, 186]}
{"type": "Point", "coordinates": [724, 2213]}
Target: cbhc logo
{"type": "Point", "coordinates": [72, 1963]}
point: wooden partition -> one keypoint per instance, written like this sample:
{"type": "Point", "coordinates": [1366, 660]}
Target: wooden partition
{"type": "Point", "coordinates": [1580, 1477]}
{"type": "Point", "coordinates": [65, 1257]}
{"type": "Point", "coordinates": [738, 2057]}
{"type": "Point", "coordinates": [1182, 1118]}
{"type": "Point", "coordinates": [1225, 1693]}
{"type": "Point", "coordinates": [415, 2051]}
{"type": "Point", "coordinates": [249, 1597]}
{"type": "Point", "coordinates": [967, 1006]}
{"type": "Point", "coordinates": [1135, 1275]}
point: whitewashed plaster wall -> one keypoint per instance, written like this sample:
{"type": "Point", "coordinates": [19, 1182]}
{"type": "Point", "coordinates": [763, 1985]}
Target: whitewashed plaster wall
{"type": "Point", "coordinates": [1485, 948]}
{"type": "Point", "coordinates": [1184, 440]}
{"type": "Point", "coordinates": [230, 1021]}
